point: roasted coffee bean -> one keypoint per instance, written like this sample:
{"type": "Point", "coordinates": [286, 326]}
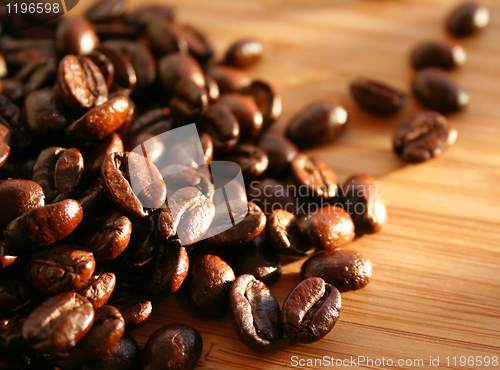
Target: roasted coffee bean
{"type": "Point", "coordinates": [11, 339]}
{"type": "Point", "coordinates": [157, 118]}
{"type": "Point", "coordinates": [467, 18]}
{"type": "Point", "coordinates": [267, 99]}
{"type": "Point", "coordinates": [59, 323]}
{"type": "Point", "coordinates": [246, 112]}
{"type": "Point", "coordinates": [438, 54]}
{"type": "Point", "coordinates": [346, 270]}
{"type": "Point", "coordinates": [106, 11]}
{"type": "Point", "coordinates": [178, 176]}
{"type": "Point", "coordinates": [210, 280]}
{"type": "Point", "coordinates": [76, 36]}
{"type": "Point", "coordinates": [81, 83]}
{"type": "Point", "coordinates": [317, 124]}
{"type": "Point", "coordinates": [102, 120]}
{"type": "Point", "coordinates": [60, 269]}
{"type": "Point", "coordinates": [125, 74]}
{"type": "Point", "coordinates": [270, 194]}
{"type": "Point", "coordinates": [142, 245]}
{"type": "Point", "coordinates": [255, 313]}
{"type": "Point", "coordinates": [20, 51]}
{"type": "Point", "coordinates": [212, 89]}
{"type": "Point", "coordinates": [207, 145]}
{"type": "Point", "coordinates": [116, 30]}
{"type": "Point", "coordinates": [110, 238]}
{"type": "Point", "coordinates": [310, 311]}
{"type": "Point", "coordinates": [18, 197]}
{"type": "Point", "coordinates": [174, 346]}
{"type": "Point", "coordinates": [252, 160]}
{"type": "Point", "coordinates": [284, 236]}
{"type": "Point", "coordinates": [105, 66]}
{"type": "Point", "coordinates": [168, 271]}
{"type": "Point", "coordinates": [135, 308]}
{"type": "Point", "coordinates": [107, 329]}
{"type": "Point", "coordinates": [44, 226]}
{"type": "Point", "coordinates": [13, 294]}
{"type": "Point", "coordinates": [435, 90]}
{"type": "Point", "coordinates": [315, 176]}
{"type": "Point", "coordinates": [221, 124]}
{"type": "Point", "coordinates": [141, 16]}
{"type": "Point", "coordinates": [12, 89]}
{"type": "Point", "coordinates": [423, 136]}
{"type": "Point", "coordinates": [40, 75]}
{"type": "Point", "coordinates": [58, 171]}
{"type": "Point", "coordinates": [3, 66]}
{"type": "Point", "coordinates": [200, 45]}
{"type": "Point", "coordinates": [98, 288]}
{"type": "Point", "coordinates": [124, 355]}
{"type": "Point", "coordinates": [94, 201]}
{"type": "Point", "coordinates": [330, 227]}
{"type": "Point", "coordinates": [45, 114]}
{"type": "Point", "coordinates": [377, 97]}
{"type": "Point", "coordinates": [229, 79]}
{"type": "Point", "coordinates": [280, 152]}
{"type": "Point", "coordinates": [244, 53]}
{"type": "Point", "coordinates": [165, 37]}
{"type": "Point", "coordinates": [133, 183]}
{"type": "Point", "coordinates": [5, 140]}
{"type": "Point", "coordinates": [362, 200]}
{"type": "Point", "coordinates": [188, 103]}
{"type": "Point", "coordinates": [93, 162]}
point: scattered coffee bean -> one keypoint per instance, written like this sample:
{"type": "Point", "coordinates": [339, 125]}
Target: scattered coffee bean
{"type": "Point", "coordinates": [244, 53]}
{"type": "Point", "coordinates": [438, 54]}
{"type": "Point", "coordinates": [135, 308]}
{"type": "Point", "coordinates": [229, 79]}
{"type": "Point", "coordinates": [467, 18]}
{"type": "Point", "coordinates": [76, 36]}
{"type": "Point", "coordinates": [284, 235]}
{"type": "Point", "coordinates": [280, 152]}
{"type": "Point", "coordinates": [124, 355]}
{"type": "Point", "coordinates": [377, 97]}
{"type": "Point", "coordinates": [267, 99]}
{"type": "Point", "coordinates": [18, 197]}
{"type": "Point", "coordinates": [98, 288]}
{"type": "Point", "coordinates": [314, 175]}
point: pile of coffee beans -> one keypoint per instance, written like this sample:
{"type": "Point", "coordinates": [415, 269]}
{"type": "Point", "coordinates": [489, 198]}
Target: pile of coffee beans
{"type": "Point", "coordinates": [84, 258]}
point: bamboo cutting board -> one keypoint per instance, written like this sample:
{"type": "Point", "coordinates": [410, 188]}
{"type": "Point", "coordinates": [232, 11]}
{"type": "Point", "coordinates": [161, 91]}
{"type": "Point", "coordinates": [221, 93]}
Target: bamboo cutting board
{"type": "Point", "coordinates": [436, 285]}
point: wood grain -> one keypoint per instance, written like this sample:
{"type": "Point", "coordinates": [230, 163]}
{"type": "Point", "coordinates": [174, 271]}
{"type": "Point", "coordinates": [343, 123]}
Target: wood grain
{"type": "Point", "coordinates": [436, 285]}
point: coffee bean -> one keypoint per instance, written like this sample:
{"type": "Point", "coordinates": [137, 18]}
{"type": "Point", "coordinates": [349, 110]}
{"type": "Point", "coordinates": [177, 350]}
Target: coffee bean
{"type": "Point", "coordinates": [284, 236]}
{"type": "Point", "coordinates": [165, 37]}
{"type": "Point", "coordinates": [423, 136]}
{"type": "Point", "coordinates": [81, 83]}
{"type": "Point", "coordinates": [438, 54]}
{"type": "Point", "coordinates": [310, 311]}
{"type": "Point", "coordinates": [13, 89]}
{"type": "Point", "coordinates": [252, 160]}
{"type": "Point", "coordinates": [210, 279]}
{"type": "Point", "coordinates": [106, 11]}
{"type": "Point", "coordinates": [76, 36]}
{"type": "Point", "coordinates": [124, 355]}
{"type": "Point", "coordinates": [98, 288]}
{"type": "Point", "coordinates": [435, 90]}
{"type": "Point", "coordinates": [105, 66]}
{"type": "Point", "coordinates": [116, 30]}
{"type": "Point", "coordinates": [142, 15]}
{"type": "Point", "coordinates": [13, 294]}
{"type": "Point", "coordinates": [362, 200]}
{"type": "Point", "coordinates": [174, 346]}
{"type": "Point", "coordinates": [7, 258]}
{"type": "Point", "coordinates": [377, 97]}
{"type": "Point", "coordinates": [270, 194]}
{"type": "Point", "coordinates": [222, 126]}
{"type": "Point", "coordinates": [317, 124]}
{"type": "Point", "coordinates": [200, 45]}
{"type": "Point", "coordinates": [255, 313]}
{"type": "Point", "coordinates": [229, 79]}
{"type": "Point", "coordinates": [188, 103]}
{"type": "Point", "coordinates": [328, 228]}
{"type": "Point", "coordinates": [246, 112]}
{"type": "Point", "coordinates": [93, 162]}
{"type": "Point", "coordinates": [94, 201]}
{"type": "Point", "coordinates": [244, 53]}
{"type": "Point", "coordinates": [345, 270]}
{"type": "Point", "coordinates": [44, 226]}
{"type": "Point", "coordinates": [11, 339]}
{"type": "Point", "coordinates": [280, 152]}
{"type": "Point", "coordinates": [38, 74]}
{"type": "Point", "coordinates": [60, 269]}
{"type": "Point", "coordinates": [178, 176]}
{"type": "Point", "coordinates": [18, 197]}
{"type": "Point", "coordinates": [135, 308]}
{"type": "Point", "coordinates": [125, 75]}
{"type": "Point", "coordinates": [467, 18]}
{"type": "Point", "coordinates": [59, 323]}
{"type": "Point", "coordinates": [212, 89]}
{"type": "Point", "coordinates": [3, 66]}
{"type": "Point", "coordinates": [267, 99]}
{"type": "Point", "coordinates": [5, 140]}
{"type": "Point", "coordinates": [316, 178]}
{"type": "Point", "coordinates": [133, 183]}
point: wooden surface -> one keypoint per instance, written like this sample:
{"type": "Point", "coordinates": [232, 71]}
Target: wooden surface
{"type": "Point", "coordinates": [436, 284]}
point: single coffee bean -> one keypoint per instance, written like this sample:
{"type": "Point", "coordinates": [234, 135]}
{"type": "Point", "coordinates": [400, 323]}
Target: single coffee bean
{"type": "Point", "coordinates": [246, 112]}
{"type": "Point", "coordinates": [106, 11]}
{"type": "Point", "coordinates": [377, 97]}
{"type": "Point", "coordinates": [110, 238]}
{"type": "Point", "coordinates": [124, 355]}
{"type": "Point", "coordinates": [284, 236]}
{"type": "Point", "coordinates": [310, 311]}
{"type": "Point", "coordinates": [255, 313]}
{"type": "Point", "coordinates": [222, 125]}
{"type": "Point", "coordinates": [317, 124]}
{"type": "Point", "coordinates": [76, 36]}
{"type": "Point", "coordinates": [81, 83]}
{"type": "Point", "coordinates": [135, 308]}
{"type": "Point", "coordinates": [330, 227]}
{"type": "Point", "coordinates": [423, 136]}
{"type": "Point", "coordinates": [280, 152]}
{"type": "Point", "coordinates": [229, 79]}
{"type": "Point", "coordinates": [93, 161]}
{"type": "Point", "coordinates": [59, 323]}
{"type": "Point", "coordinates": [165, 37]}
{"type": "Point", "coordinates": [5, 140]}
{"type": "Point", "coordinates": [94, 201]}
{"type": "Point", "coordinates": [244, 53]}
{"type": "Point", "coordinates": [60, 269]}
{"type": "Point", "coordinates": [178, 176]}
{"type": "Point", "coordinates": [362, 200]}
{"type": "Point", "coordinates": [13, 294]}
{"type": "Point", "coordinates": [438, 54]}
{"type": "Point", "coordinates": [188, 103]}
{"type": "Point", "coordinates": [435, 90]}
{"type": "Point", "coordinates": [116, 30]}
{"type": "Point", "coordinates": [270, 194]}
{"type": "Point", "coordinates": [252, 160]}
{"type": "Point", "coordinates": [345, 270]}
{"type": "Point", "coordinates": [44, 226]}
{"type": "Point", "coordinates": [212, 88]}
{"type": "Point", "coordinates": [18, 197]}
{"type": "Point", "coordinates": [467, 18]}
{"type": "Point", "coordinates": [142, 245]}
{"type": "Point", "coordinates": [267, 99]}
{"type": "Point", "coordinates": [200, 45]}
{"type": "Point", "coordinates": [125, 75]}
{"type": "Point", "coordinates": [13, 89]}
{"type": "Point", "coordinates": [174, 346]}
{"type": "Point", "coordinates": [98, 288]}
{"type": "Point", "coordinates": [133, 183]}
{"type": "Point", "coordinates": [105, 66]}
{"type": "Point", "coordinates": [210, 279]}
{"type": "Point", "coordinates": [316, 178]}
{"type": "Point", "coordinates": [107, 329]}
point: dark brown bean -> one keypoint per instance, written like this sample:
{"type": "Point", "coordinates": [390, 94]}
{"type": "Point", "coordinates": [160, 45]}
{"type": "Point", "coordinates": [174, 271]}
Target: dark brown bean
{"type": "Point", "coordinates": [210, 280]}
{"type": "Point", "coordinates": [106, 11]}
{"type": "Point", "coordinates": [267, 99]}
{"type": "Point", "coordinates": [467, 18]}
{"type": "Point", "coordinates": [135, 308]}
{"type": "Point", "coordinates": [18, 197]}
{"type": "Point", "coordinates": [5, 140]}
{"type": "Point", "coordinates": [316, 178]}
{"type": "Point", "coordinates": [125, 75]}
{"type": "Point", "coordinates": [13, 89]}
{"type": "Point", "coordinates": [229, 79]}
{"type": "Point", "coordinates": [221, 124]}
{"type": "Point", "coordinates": [188, 103]}
{"type": "Point", "coordinates": [310, 311]}
{"type": "Point", "coordinates": [76, 36]}
{"type": "Point", "coordinates": [59, 323]}
{"type": "Point", "coordinates": [328, 228]}
{"type": "Point", "coordinates": [284, 236]}
{"type": "Point", "coordinates": [345, 270]}
{"type": "Point", "coordinates": [212, 88]}
{"type": "Point", "coordinates": [98, 288]}
{"type": "Point", "coordinates": [105, 66]}
{"type": "Point", "coordinates": [438, 54]}
{"type": "Point", "coordinates": [423, 136]}
{"type": "Point", "coordinates": [255, 313]}
{"type": "Point", "coordinates": [244, 53]}
{"type": "Point", "coordinates": [377, 97]}
{"type": "Point", "coordinates": [11, 338]}
{"type": "Point", "coordinates": [317, 124]}
{"type": "Point", "coordinates": [280, 152]}
{"type": "Point", "coordinates": [174, 346]}
{"type": "Point", "coordinates": [252, 160]}
{"type": "Point", "coordinates": [178, 176]}
{"type": "Point", "coordinates": [246, 112]}
{"type": "Point", "coordinates": [142, 246]}
{"type": "Point", "coordinates": [165, 37]}
{"type": "Point", "coordinates": [200, 45]}
{"type": "Point", "coordinates": [44, 226]}
{"type": "Point", "coordinates": [93, 162]}
{"type": "Point", "coordinates": [435, 90]}
{"type": "Point", "coordinates": [13, 294]}
{"type": "Point", "coordinates": [39, 75]}
{"type": "Point", "coordinates": [141, 16]}
{"type": "Point", "coordinates": [124, 355]}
